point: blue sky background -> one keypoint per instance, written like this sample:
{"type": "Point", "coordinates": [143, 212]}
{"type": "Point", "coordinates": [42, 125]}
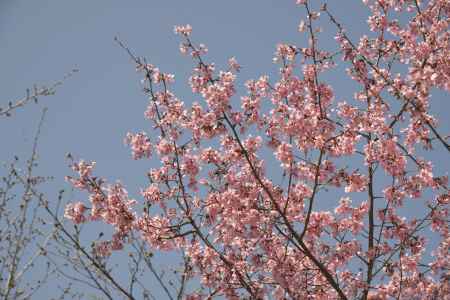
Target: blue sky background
{"type": "Point", "coordinates": [90, 114]}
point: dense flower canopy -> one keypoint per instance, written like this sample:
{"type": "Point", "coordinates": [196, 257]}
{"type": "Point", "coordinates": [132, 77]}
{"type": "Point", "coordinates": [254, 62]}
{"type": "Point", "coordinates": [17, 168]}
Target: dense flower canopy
{"type": "Point", "coordinates": [249, 233]}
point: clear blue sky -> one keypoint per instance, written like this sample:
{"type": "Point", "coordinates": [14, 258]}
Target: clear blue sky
{"type": "Point", "coordinates": [90, 114]}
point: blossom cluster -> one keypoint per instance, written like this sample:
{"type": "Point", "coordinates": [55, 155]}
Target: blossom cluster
{"type": "Point", "coordinates": [291, 193]}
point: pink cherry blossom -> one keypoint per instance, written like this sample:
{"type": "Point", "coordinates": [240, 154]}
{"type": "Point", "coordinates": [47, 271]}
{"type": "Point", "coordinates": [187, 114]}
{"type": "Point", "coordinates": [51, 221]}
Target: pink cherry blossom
{"type": "Point", "coordinates": [140, 145]}
{"type": "Point", "coordinates": [291, 191]}
{"type": "Point", "coordinates": [75, 212]}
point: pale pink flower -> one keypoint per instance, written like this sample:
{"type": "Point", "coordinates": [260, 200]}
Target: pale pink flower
{"type": "Point", "coordinates": [140, 144]}
{"type": "Point", "coordinates": [233, 64]}
{"type": "Point", "coordinates": [185, 30]}
{"type": "Point", "coordinates": [301, 26]}
{"type": "Point", "coordinates": [75, 212]}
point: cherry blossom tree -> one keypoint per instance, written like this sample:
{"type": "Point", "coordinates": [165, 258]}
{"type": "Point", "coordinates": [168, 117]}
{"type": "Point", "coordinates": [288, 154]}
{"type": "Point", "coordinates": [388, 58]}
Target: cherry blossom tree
{"type": "Point", "coordinates": [288, 192]}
